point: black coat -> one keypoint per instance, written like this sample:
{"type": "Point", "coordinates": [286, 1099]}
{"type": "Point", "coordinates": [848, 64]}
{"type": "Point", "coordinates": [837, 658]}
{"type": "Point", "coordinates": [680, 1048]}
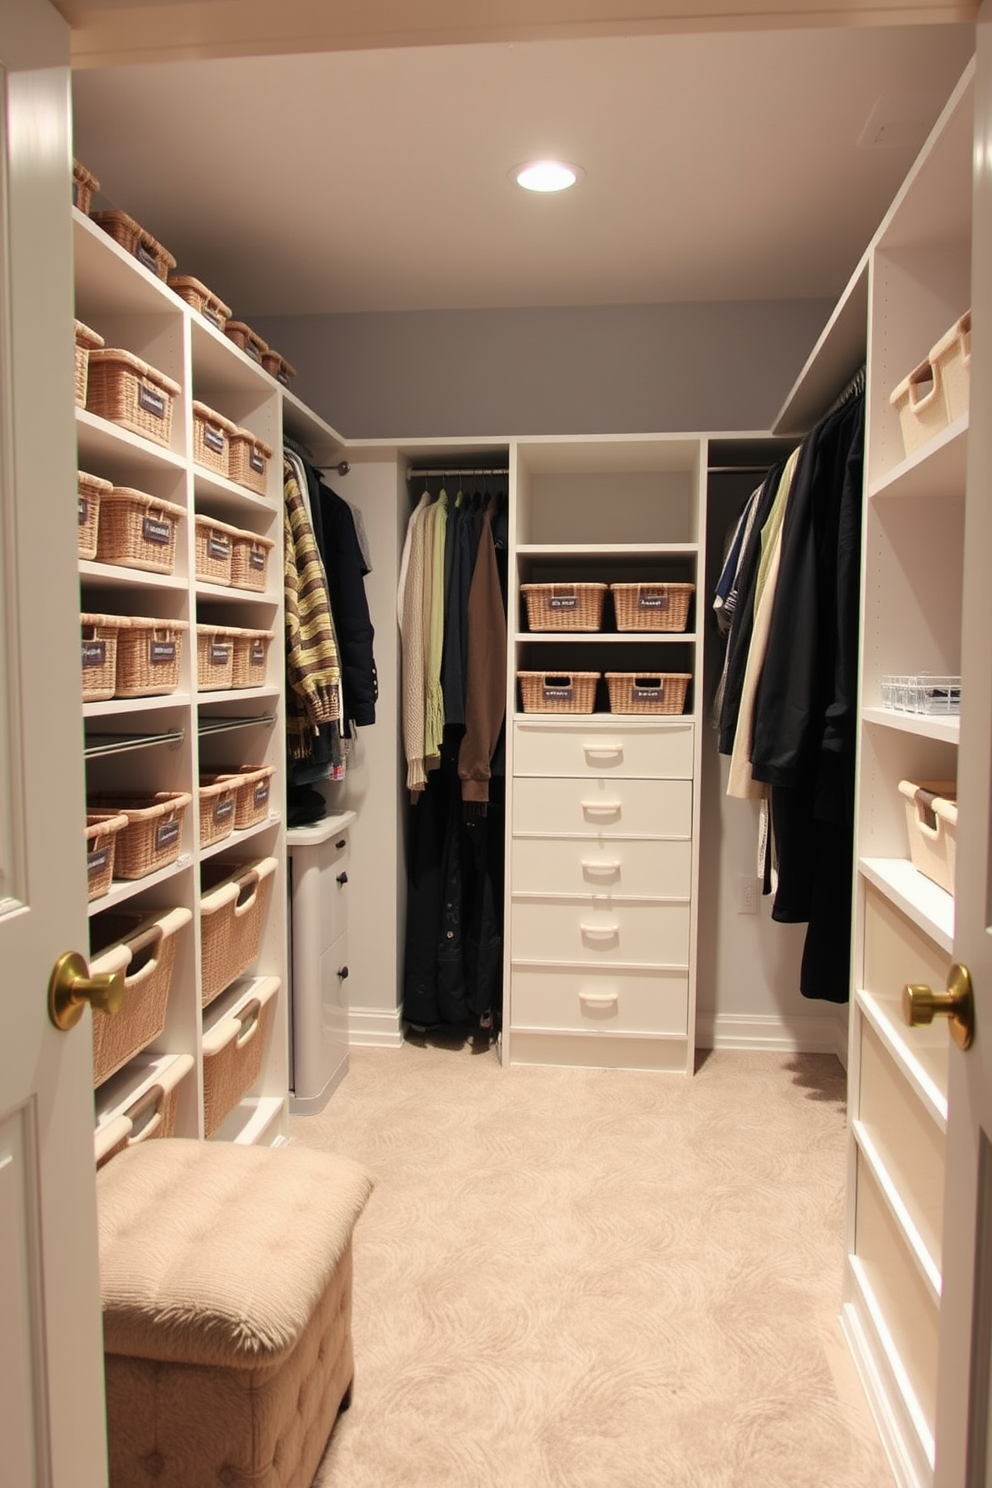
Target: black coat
{"type": "Point", "coordinates": [345, 568]}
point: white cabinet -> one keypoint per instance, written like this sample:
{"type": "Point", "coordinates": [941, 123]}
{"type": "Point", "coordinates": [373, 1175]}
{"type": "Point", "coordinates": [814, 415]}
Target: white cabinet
{"type": "Point", "coordinates": [603, 805]}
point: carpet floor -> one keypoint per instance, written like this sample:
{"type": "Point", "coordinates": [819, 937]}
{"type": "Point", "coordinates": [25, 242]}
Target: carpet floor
{"type": "Point", "coordinates": [597, 1279]}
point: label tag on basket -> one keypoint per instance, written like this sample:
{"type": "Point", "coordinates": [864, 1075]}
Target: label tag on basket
{"type": "Point", "coordinates": [648, 693]}
{"type": "Point", "coordinates": [218, 547]}
{"type": "Point", "coordinates": [220, 653]}
{"type": "Point", "coordinates": [563, 602]}
{"type": "Point", "coordinates": [166, 833]}
{"type": "Point", "coordinates": [156, 530]}
{"type": "Point", "coordinates": [652, 599]}
{"type": "Point", "coordinates": [257, 462]}
{"type": "Point", "coordinates": [161, 651]}
{"type": "Point", "coordinates": [211, 316]}
{"type": "Point", "coordinates": [84, 510]}
{"type": "Point", "coordinates": [253, 351]}
{"type": "Point", "coordinates": [257, 651]}
{"type": "Point", "coordinates": [151, 401]}
{"type": "Point", "coordinates": [261, 793]}
{"type": "Point", "coordinates": [94, 653]}
{"type": "Point", "coordinates": [223, 809]}
{"type": "Point", "coordinates": [97, 861]}
{"type": "Point", "coordinates": [565, 693]}
{"type": "Point", "coordinates": [213, 439]}
{"type": "Point", "coordinates": [256, 559]}
{"type": "Point", "coordinates": [143, 255]}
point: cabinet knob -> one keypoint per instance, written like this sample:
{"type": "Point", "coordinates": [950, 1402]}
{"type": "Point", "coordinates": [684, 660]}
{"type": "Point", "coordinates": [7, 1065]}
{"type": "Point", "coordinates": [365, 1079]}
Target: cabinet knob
{"type": "Point", "coordinates": [341, 844]}
{"type": "Point", "coordinates": [342, 879]}
{"type": "Point", "coordinates": [342, 973]}
{"type": "Point", "coordinates": [920, 1005]}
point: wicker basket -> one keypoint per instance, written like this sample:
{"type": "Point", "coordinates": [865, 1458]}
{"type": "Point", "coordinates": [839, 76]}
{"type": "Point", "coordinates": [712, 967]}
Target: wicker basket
{"type": "Point", "coordinates": [564, 606]}
{"type": "Point", "coordinates": [86, 341]}
{"type": "Point", "coordinates": [101, 840]}
{"type": "Point", "coordinates": [153, 835]}
{"type": "Point", "coordinates": [250, 458]}
{"type": "Point", "coordinates": [233, 1049]}
{"type": "Point", "coordinates": [919, 401]}
{"type": "Point", "coordinates": [558, 692]}
{"type": "Point", "coordinates": [90, 492]}
{"type": "Point", "coordinates": [252, 785]}
{"type": "Point", "coordinates": [643, 692]}
{"type": "Point", "coordinates": [250, 561]}
{"type": "Point", "coordinates": [201, 299]}
{"type": "Point", "coordinates": [215, 645]}
{"type": "Point", "coordinates": [133, 238]}
{"type": "Point", "coordinates": [251, 652]}
{"type": "Point", "coordinates": [218, 805]}
{"type": "Point", "coordinates": [145, 950]}
{"type": "Point", "coordinates": [100, 635]}
{"type": "Point", "coordinates": [144, 1103]}
{"type": "Point", "coordinates": [84, 185]}
{"type": "Point", "coordinates": [138, 530]}
{"type": "Point", "coordinates": [652, 606]}
{"type": "Point", "coordinates": [246, 340]}
{"type": "Point", "coordinates": [127, 391]}
{"type": "Point", "coordinates": [277, 366]}
{"type": "Point", "coordinates": [212, 435]}
{"type": "Point", "coordinates": [233, 906]}
{"type": "Point", "coordinates": [149, 657]}
{"type": "Point", "coordinates": [952, 355]}
{"type": "Point", "coordinates": [214, 550]}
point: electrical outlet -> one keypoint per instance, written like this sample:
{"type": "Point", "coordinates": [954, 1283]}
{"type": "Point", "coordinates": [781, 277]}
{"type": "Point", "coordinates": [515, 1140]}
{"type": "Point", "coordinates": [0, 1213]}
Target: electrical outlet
{"type": "Point", "coordinates": [747, 894]}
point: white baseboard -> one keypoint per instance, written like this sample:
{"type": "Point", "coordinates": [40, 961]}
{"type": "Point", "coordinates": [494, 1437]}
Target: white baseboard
{"type": "Point", "coordinates": [799, 1033]}
{"type": "Point", "coordinates": [375, 1026]}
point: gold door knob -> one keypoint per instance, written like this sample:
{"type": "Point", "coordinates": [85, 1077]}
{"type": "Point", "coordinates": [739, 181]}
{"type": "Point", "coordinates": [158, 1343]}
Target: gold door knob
{"type": "Point", "coordinates": [71, 987]}
{"type": "Point", "coordinates": [920, 1005]}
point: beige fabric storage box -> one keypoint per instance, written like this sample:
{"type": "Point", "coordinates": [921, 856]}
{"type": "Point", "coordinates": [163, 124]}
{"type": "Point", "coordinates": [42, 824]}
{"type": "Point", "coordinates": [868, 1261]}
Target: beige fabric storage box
{"type": "Point", "coordinates": [143, 947]}
{"type": "Point", "coordinates": [236, 1030]}
{"type": "Point", "coordinates": [233, 905]}
{"type": "Point", "coordinates": [137, 530]}
{"type": "Point", "coordinates": [932, 820]}
{"type": "Point", "coordinates": [952, 357]}
{"type": "Point", "coordinates": [142, 1102]}
{"type": "Point", "coordinates": [90, 490]}
{"type": "Point", "coordinates": [226, 1281]}
{"type": "Point", "coordinates": [919, 402]}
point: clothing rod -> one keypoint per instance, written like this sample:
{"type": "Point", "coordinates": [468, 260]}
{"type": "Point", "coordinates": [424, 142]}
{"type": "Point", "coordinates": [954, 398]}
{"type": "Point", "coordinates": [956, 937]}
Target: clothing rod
{"type": "Point", "coordinates": [98, 745]}
{"type": "Point", "coordinates": [412, 474]}
{"type": "Point", "coordinates": [221, 724]}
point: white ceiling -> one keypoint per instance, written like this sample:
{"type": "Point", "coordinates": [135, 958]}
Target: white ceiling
{"type": "Point", "coordinates": [750, 164]}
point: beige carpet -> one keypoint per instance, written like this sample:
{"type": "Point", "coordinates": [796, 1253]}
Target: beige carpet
{"type": "Point", "coordinates": [597, 1279]}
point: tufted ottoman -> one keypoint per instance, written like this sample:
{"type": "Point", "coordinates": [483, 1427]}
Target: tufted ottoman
{"type": "Point", "coordinates": [226, 1281]}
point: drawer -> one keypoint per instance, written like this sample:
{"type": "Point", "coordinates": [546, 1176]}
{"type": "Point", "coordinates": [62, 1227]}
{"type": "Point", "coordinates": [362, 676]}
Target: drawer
{"type": "Point", "coordinates": [617, 865]}
{"type": "Point", "coordinates": [654, 752]}
{"type": "Point", "coordinates": [619, 807]}
{"type": "Point", "coordinates": [603, 929]}
{"type": "Point", "coordinates": [555, 997]}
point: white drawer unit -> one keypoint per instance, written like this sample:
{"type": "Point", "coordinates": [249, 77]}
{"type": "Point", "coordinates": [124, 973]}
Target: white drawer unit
{"type": "Point", "coordinates": [627, 1001]}
{"type": "Point", "coordinates": [602, 865]}
{"type": "Point", "coordinates": [651, 751]}
{"type": "Point", "coordinates": [600, 929]}
{"type": "Point", "coordinates": [614, 807]}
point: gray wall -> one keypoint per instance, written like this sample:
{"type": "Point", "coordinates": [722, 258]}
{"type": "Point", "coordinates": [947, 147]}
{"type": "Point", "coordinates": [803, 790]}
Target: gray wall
{"type": "Point", "coordinates": [607, 369]}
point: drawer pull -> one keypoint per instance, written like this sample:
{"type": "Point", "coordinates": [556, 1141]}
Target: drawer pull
{"type": "Point", "coordinates": [601, 868]}
{"type": "Point", "coordinates": [603, 751]}
{"type": "Point", "coordinates": [601, 808]}
{"type": "Point", "coordinates": [599, 999]}
{"type": "Point", "coordinates": [599, 932]}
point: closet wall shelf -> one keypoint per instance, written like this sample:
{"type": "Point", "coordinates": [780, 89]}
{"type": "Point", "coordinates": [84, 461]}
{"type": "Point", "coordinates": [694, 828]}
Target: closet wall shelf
{"type": "Point", "coordinates": [607, 550]}
{"type": "Point", "coordinates": [205, 590]}
{"type": "Point", "coordinates": [111, 281]}
{"type": "Point", "coordinates": [227, 495]}
{"type": "Point", "coordinates": [610, 637]}
{"type": "Point", "coordinates": [99, 745]}
{"type": "Point", "coordinates": [243, 694]}
{"type": "Point", "coordinates": [249, 1123]}
{"type": "Point", "coordinates": [122, 889]}
{"type": "Point", "coordinates": [97, 439]}
{"type": "Point", "coordinates": [900, 1393]}
{"type": "Point", "coordinates": [116, 576]}
{"type": "Point", "coordinates": [921, 1053]}
{"type": "Point", "coordinates": [234, 840]}
{"type": "Point", "coordinates": [122, 707]}
{"type": "Point", "coordinates": [216, 372]}
{"type": "Point", "coordinates": [925, 1262]}
{"type": "Point", "coordinates": [927, 726]}
{"type": "Point", "coordinates": [929, 906]}
{"type": "Point", "coordinates": [938, 469]}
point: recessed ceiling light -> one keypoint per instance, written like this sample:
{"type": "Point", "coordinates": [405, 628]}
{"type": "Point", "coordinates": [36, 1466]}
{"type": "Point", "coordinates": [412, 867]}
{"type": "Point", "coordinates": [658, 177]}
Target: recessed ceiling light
{"type": "Point", "coordinates": [546, 175]}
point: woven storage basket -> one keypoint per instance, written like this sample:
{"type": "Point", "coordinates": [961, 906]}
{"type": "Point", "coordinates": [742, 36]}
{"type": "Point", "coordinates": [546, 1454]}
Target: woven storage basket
{"type": "Point", "coordinates": [100, 634]}
{"type": "Point", "coordinates": [90, 490]}
{"type": "Point", "coordinates": [251, 652]}
{"type": "Point", "coordinates": [145, 1103]}
{"type": "Point", "coordinates": [101, 836]}
{"type": "Point", "coordinates": [153, 835]}
{"type": "Point", "coordinates": [149, 657]}
{"type": "Point", "coordinates": [127, 391]}
{"type": "Point", "coordinates": [214, 550]}
{"type": "Point", "coordinates": [233, 1050]}
{"type": "Point", "coordinates": [250, 560]}
{"type": "Point", "coordinates": [218, 805]}
{"type": "Point", "coordinates": [201, 299]}
{"type": "Point", "coordinates": [564, 606]}
{"type": "Point", "coordinates": [651, 606]}
{"type": "Point", "coordinates": [144, 948]}
{"type": "Point", "coordinates": [215, 657]}
{"type": "Point", "coordinates": [133, 238]}
{"type": "Point", "coordinates": [558, 692]}
{"type": "Point", "coordinates": [138, 530]}
{"type": "Point", "coordinates": [250, 458]}
{"type": "Point", "coordinates": [252, 785]}
{"type": "Point", "coordinates": [212, 435]}
{"type": "Point", "coordinates": [919, 401]}
{"type": "Point", "coordinates": [952, 355]}
{"type": "Point", "coordinates": [84, 184]}
{"type": "Point", "coordinates": [647, 692]}
{"type": "Point", "coordinates": [245, 338]}
{"type": "Point", "coordinates": [86, 341]}
{"type": "Point", "coordinates": [233, 906]}
{"type": "Point", "coordinates": [932, 821]}
{"type": "Point", "coordinates": [277, 366]}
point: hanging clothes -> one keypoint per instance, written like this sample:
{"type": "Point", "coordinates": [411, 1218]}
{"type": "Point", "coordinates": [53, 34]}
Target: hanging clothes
{"type": "Point", "coordinates": [313, 695]}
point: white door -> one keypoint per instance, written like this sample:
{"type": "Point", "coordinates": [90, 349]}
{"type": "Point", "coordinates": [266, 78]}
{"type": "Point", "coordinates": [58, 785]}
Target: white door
{"type": "Point", "coordinates": [51, 1360]}
{"type": "Point", "coordinates": [963, 1451]}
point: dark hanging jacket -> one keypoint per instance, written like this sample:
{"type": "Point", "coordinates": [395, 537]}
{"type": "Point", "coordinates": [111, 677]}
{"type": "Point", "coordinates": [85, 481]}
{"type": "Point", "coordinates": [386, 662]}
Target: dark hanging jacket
{"type": "Point", "coordinates": [346, 570]}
